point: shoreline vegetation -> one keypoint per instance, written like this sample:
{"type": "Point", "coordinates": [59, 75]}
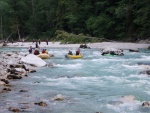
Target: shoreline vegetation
{"type": "Point", "coordinates": [111, 20]}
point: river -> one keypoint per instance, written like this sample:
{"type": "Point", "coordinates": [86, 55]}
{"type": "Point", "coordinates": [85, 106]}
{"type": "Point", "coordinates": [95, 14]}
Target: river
{"type": "Point", "coordinates": [89, 85]}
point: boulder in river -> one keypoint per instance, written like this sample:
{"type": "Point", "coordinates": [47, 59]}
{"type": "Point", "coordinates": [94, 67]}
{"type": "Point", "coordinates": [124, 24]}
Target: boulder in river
{"type": "Point", "coordinates": [128, 98]}
{"type": "Point", "coordinates": [41, 104]}
{"type": "Point", "coordinates": [14, 109]}
{"type": "Point", "coordinates": [12, 76]}
{"type": "Point", "coordinates": [33, 60]}
{"type": "Point", "coordinates": [145, 72]}
{"type": "Point", "coordinates": [58, 97]}
{"type": "Point", "coordinates": [146, 104]}
{"type": "Point", "coordinates": [133, 50]}
{"type": "Point", "coordinates": [112, 51]}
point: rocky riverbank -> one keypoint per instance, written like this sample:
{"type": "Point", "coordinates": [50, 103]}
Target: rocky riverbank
{"type": "Point", "coordinates": [12, 68]}
{"type": "Point", "coordinates": [120, 45]}
{"type": "Point", "coordinates": [16, 65]}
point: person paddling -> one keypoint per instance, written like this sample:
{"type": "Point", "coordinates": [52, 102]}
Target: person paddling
{"type": "Point", "coordinates": [78, 51]}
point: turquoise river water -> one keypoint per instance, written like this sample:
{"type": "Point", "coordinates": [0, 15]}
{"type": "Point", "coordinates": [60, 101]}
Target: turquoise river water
{"type": "Point", "coordinates": [89, 85]}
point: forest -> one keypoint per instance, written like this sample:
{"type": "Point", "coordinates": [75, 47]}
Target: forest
{"type": "Point", "coordinates": [75, 20]}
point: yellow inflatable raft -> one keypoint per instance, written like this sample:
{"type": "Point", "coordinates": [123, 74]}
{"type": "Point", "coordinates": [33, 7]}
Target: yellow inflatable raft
{"type": "Point", "coordinates": [74, 56]}
{"type": "Point", "coordinates": [44, 56]}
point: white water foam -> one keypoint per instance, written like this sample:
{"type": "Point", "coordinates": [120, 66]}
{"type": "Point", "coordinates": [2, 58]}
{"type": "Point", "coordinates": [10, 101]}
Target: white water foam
{"type": "Point", "coordinates": [125, 107]}
{"type": "Point", "coordinates": [117, 80]}
{"type": "Point", "coordinates": [131, 67]}
{"type": "Point", "coordinates": [72, 66]}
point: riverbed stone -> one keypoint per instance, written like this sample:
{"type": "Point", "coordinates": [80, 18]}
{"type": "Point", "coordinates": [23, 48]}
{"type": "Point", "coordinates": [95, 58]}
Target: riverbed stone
{"type": "Point", "coordinates": [6, 81]}
{"type": "Point", "coordinates": [133, 50]}
{"type": "Point", "coordinates": [12, 76]}
{"type": "Point", "coordinates": [145, 72]}
{"type": "Point", "coordinates": [58, 97]}
{"type": "Point", "coordinates": [12, 71]}
{"type": "Point", "coordinates": [23, 90]}
{"type": "Point", "coordinates": [41, 104]}
{"type": "Point", "coordinates": [32, 71]}
{"type": "Point", "coordinates": [14, 109]}
{"type": "Point", "coordinates": [50, 65]}
{"type": "Point", "coordinates": [6, 89]}
{"type": "Point", "coordinates": [146, 104]}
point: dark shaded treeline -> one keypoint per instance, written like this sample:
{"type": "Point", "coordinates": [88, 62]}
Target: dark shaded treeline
{"type": "Point", "coordinates": [111, 19]}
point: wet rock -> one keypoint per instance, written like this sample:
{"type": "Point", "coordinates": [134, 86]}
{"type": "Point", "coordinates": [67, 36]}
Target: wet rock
{"type": "Point", "coordinates": [16, 66]}
{"type": "Point", "coordinates": [32, 71]}
{"type": "Point", "coordinates": [12, 76]}
{"type": "Point", "coordinates": [144, 63]}
{"type": "Point", "coordinates": [23, 91]}
{"type": "Point", "coordinates": [14, 109]}
{"type": "Point", "coordinates": [25, 75]}
{"type": "Point", "coordinates": [6, 81]}
{"type": "Point", "coordinates": [25, 67]}
{"type": "Point", "coordinates": [84, 46]}
{"type": "Point", "coordinates": [19, 66]}
{"type": "Point", "coordinates": [112, 51]}
{"type": "Point", "coordinates": [8, 54]}
{"type": "Point", "coordinates": [58, 97]}
{"type": "Point", "coordinates": [37, 82]}
{"type": "Point", "coordinates": [11, 66]}
{"type": "Point", "coordinates": [51, 55]}
{"type": "Point", "coordinates": [41, 104]}
{"type": "Point", "coordinates": [12, 71]}
{"type": "Point", "coordinates": [50, 65]}
{"type": "Point", "coordinates": [146, 104]}
{"type": "Point", "coordinates": [145, 72]}
{"type": "Point", "coordinates": [148, 72]}
{"type": "Point", "coordinates": [133, 50]}
{"type": "Point", "coordinates": [8, 85]}
{"type": "Point", "coordinates": [6, 89]}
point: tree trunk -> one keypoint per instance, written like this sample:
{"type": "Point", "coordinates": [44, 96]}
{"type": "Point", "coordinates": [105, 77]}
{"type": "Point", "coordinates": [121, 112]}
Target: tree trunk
{"type": "Point", "coordinates": [33, 11]}
{"type": "Point", "coordinates": [1, 28]}
{"type": "Point", "coordinates": [18, 32]}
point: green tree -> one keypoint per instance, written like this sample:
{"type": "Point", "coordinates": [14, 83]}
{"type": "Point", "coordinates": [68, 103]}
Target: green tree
{"type": "Point", "coordinates": [142, 20]}
{"type": "Point", "coordinates": [4, 8]}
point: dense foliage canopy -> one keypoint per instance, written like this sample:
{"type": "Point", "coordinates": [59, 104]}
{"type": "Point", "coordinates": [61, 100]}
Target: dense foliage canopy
{"type": "Point", "coordinates": [127, 20]}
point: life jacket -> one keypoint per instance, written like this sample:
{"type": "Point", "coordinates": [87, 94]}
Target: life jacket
{"type": "Point", "coordinates": [36, 52]}
{"type": "Point", "coordinates": [77, 52]}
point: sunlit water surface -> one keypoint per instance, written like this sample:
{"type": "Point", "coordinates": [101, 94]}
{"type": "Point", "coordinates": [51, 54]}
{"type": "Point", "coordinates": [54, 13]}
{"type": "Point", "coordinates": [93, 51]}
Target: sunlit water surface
{"type": "Point", "coordinates": [89, 85]}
